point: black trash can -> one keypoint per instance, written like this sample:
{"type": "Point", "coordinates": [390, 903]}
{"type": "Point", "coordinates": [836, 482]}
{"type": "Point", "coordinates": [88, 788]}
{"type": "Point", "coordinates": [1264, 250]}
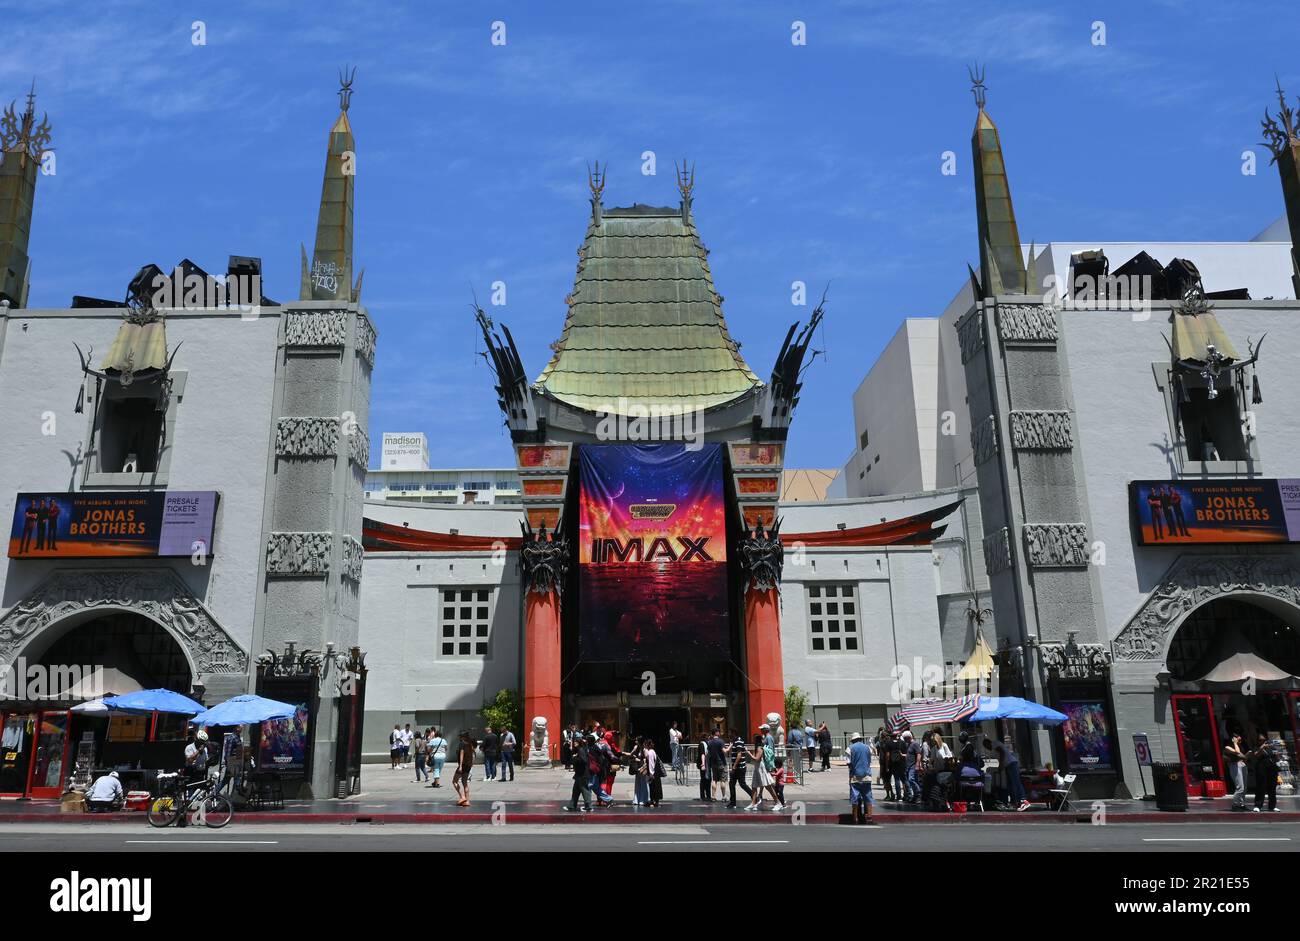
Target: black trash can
{"type": "Point", "coordinates": [1170, 786]}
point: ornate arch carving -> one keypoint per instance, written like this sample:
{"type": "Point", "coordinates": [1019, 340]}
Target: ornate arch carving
{"type": "Point", "coordinates": [1191, 582]}
{"type": "Point", "coordinates": [157, 593]}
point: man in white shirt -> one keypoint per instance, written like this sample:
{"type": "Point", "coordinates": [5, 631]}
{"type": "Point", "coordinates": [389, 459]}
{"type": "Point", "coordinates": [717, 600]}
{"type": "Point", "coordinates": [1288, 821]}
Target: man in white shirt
{"type": "Point", "coordinates": [105, 794]}
{"type": "Point", "coordinates": [675, 746]}
{"type": "Point", "coordinates": [406, 737]}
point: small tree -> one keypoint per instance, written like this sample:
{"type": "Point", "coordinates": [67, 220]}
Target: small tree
{"type": "Point", "coordinates": [503, 711]}
{"type": "Point", "coordinates": [796, 704]}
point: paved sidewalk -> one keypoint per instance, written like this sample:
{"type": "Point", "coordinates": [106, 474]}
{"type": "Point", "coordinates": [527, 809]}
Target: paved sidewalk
{"type": "Point", "coordinates": [539, 795]}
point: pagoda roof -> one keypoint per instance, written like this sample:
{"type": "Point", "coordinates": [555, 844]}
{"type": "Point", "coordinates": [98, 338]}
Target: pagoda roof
{"type": "Point", "coordinates": [645, 324]}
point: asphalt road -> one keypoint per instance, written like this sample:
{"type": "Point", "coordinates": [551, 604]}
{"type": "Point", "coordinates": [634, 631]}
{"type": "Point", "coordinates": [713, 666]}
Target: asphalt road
{"type": "Point", "coordinates": [271, 838]}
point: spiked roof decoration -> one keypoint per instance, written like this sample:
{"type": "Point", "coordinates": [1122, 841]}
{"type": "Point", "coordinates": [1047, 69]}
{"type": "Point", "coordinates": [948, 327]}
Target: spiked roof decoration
{"type": "Point", "coordinates": [1002, 266]}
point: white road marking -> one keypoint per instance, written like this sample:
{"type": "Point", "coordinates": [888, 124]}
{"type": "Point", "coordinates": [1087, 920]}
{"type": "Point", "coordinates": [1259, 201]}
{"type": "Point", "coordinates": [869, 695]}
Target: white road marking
{"type": "Point", "coordinates": [704, 842]}
{"type": "Point", "coordinates": [1217, 839]}
{"type": "Point", "coordinates": [212, 842]}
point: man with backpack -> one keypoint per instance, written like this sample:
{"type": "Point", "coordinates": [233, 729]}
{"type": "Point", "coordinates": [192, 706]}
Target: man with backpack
{"type": "Point", "coordinates": [582, 775]}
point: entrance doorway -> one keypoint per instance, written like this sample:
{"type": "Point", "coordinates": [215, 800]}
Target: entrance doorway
{"type": "Point", "coordinates": [34, 753]}
{"type": "Point", "coordinates": [655, 723]}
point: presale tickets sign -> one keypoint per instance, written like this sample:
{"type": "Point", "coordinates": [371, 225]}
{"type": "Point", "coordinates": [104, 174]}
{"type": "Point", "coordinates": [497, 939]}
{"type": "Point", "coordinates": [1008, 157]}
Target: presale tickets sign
{"type": "Point", "coordinates": [90, 525]}
{"type": "Point", "coordinates": [652, 553]}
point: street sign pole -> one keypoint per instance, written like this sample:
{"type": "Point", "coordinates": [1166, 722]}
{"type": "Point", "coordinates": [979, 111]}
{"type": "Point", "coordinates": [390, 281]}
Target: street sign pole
{"type": "Point", "coordinates": [1142, 748]}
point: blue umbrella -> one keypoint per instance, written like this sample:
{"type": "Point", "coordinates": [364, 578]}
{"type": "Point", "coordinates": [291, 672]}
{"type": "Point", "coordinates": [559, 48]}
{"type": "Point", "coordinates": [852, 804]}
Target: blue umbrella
{"type": "Point", "coordinates": [245, 710]}
{"type": "Point", "coordinates": [153, 700]}
{"type": "Point", "coordinates": [1013, 707]}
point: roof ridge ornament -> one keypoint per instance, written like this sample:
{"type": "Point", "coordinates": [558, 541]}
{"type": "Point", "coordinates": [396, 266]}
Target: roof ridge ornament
{"type": "Point", "coordinates": [345, 87]}
{"type": "Point", "coordinates": [978, 88]}
{"type": "Point", "coordinates": [21, 133]}
{"type": "Point", "coordinates": [1276, 138]}
{"type": "Point", "coordinates": [685, 179]}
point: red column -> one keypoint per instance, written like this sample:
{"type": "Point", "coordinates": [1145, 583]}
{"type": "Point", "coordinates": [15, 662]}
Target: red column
{"type": "Point", "coordinates": [542, 663]}
{"type": "Point", "coordinates": [763, 656]}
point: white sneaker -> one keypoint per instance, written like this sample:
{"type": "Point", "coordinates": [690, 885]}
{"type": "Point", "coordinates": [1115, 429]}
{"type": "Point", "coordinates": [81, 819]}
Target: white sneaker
{"type": "Point", "coordinates": [1255, 809]}
{"type": "Point", "coordinates": [778, 808]}
{"type": "Point", "coordinates": [752, 807]}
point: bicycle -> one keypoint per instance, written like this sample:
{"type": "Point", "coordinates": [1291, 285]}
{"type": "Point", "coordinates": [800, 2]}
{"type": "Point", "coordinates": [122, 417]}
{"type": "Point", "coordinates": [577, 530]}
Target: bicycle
{"type": "Point", "coordinates": [176, 800]}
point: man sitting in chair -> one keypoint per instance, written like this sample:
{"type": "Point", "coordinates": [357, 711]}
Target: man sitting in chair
{"type": "Point", "coordinates": [105, 795]}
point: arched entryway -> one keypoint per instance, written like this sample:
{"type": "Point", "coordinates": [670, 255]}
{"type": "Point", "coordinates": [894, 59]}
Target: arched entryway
{"type": "Point", "coordinates": [85, 656]}
{"type": "Point", "coordinates": [1233, 666]}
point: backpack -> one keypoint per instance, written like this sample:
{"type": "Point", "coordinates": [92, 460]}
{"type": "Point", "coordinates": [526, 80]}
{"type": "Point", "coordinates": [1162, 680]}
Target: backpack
{"type": "Point", "coordinates": [769, 758]}
{"type": "Point", "coordinates": [593, 760]}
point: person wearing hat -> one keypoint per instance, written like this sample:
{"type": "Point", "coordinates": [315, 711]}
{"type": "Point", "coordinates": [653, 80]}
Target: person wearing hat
{"type": "Point", "coordinates": [766, 731]}
{"type": "Point", "coordinates": [105, 794]}
{"type": "Point", "coordinates": [859, 778]}
{"type": "Point", "coordinates": [196, 757]}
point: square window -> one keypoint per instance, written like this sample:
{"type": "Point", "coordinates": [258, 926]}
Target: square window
{"type": "Point", "coordinates": [850, 643]}
{"type": "Point", "coordinates": [448, 596]}
{"type": "Point", "coordinates": [467, 596]}
{"type": "Point", "coordinates": [465, 613]}
{"type": "Point", "coordinates": [833, 626]}
{"type": "Point", "coordinates": [464, 630]}
{"type": "Point", "coordinates": [850, 625]}
{"type": "Point", "coordinates": [832, 607]}
{"type": "Point", "coordinates": [448, 650]}
{"type": "Point", "coordinates": [449, 614]}
{"type": "Point", "coordinates": [482, 595]}
{"type": "Point", "coordinates": [449, 630]}
{"type": "Point", "coordinates": [848, 607]}
{"type": "Point", "coordinates": [482, 630]}
{"type": "Point", "coordinates": [819, 644]}
{"type": "Point", "coordinates": [814, 591]}
{"type": "Point", "coordinates": [481, 614]}
{"type": "Point", "coordinates": [464, 650]}
{"type": "Point", "coordinates": [835, 643]}
{"type": "Point", "coordinates": [480, 649]}
{"type": "Point", "coordinates": [815, 608]}
{"type": "Point", "coordinates": [816, 626]}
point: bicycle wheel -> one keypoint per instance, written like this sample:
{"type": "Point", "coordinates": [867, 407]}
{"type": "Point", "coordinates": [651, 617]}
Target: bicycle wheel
{"type": "Point", "coordinates": [163, 811]}
{"type": "Point", "coordinates": [217, 811]}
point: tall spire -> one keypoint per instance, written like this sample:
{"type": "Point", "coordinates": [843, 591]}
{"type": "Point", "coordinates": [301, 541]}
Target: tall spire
{"type": "Point", "coordinates": [329, 277]}
{"type": "Point", "coordinates": [1285, 146]}
{"type": "Point", "coordinates": [1002, 266]}
{"type": "Point", "coordinates": [22, 141]}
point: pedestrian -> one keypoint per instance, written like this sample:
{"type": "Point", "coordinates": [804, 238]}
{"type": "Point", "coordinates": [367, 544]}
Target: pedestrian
{"type": "Point", "coordinates": [859, 779]}
{"type": "Point", "coordinates": [913, 767]}
{"type": "Point", "coordinates": [437, 749]}
{"type": "Point", "coordinates": [490, 746]}
{"type": "Point", "coordinates": [507, 754]}
{"type": "Point", "coordinates": [567, 746]}
{"type": "Point", "coordinates": [702, 765]}
{"type": "Point", "coordinates": [395, 746]}
{"type": "Point", "coordinates": [657, 773]}
{"type": "Point", "coordinates": [718, 764]}
{"type": "Point", "coordinates": [464, 769]}
{"type": "Point", "coordinates": [578, 761]}
{"type": "Point", "coordinates": [1236, 756]}
{"type": "Point", "coordinates": [406, 739]}
{"type": "Point", "coordinates": [675, 746]}
{"type": "Point", "coordinates": [634, 762]}
{"type": "Point", "coordinates": [1009, 763]}
{"type": "Point", "coordinates": [810, 741]}
{"type": "Point", "coordinates": [421, 749]}
{"type": "Point", "coordinates": [598, 763]}
{"type": "Point", "coordinates": [794, 748]}
{"type": "Point", "coordinates": [196, 757]}
{"type": "Point", "coordinates": [739, 756]}
{"type": "Point", "coordinates": [778, 781]}
{"type": "Point", "coordinates": [1265, 774]}
{"type": "Point", "coordinates": [882, 755]}
{"type": "Point", "coordinates": [764, 761]}
{"type": "Point", "coordinates": [615, 761]}
{"type": "Point", "coordinates": [897, 767]}
{"type": "Point", "coordinates": [824, 745]}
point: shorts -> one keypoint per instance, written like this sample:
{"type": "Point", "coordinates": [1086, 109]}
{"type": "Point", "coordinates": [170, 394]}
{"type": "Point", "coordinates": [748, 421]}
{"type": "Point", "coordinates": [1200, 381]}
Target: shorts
{"type": "Point", "coordinates": [860, 793]}
{"type": "Point", "coordinates": [395, 752]}
{"type": "Point", "coordinates": [718, 773]}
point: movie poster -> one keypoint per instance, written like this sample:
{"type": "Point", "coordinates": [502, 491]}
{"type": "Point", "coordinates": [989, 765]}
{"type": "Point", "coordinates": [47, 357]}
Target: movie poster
{"type": "Point", "coordinates": [1087, 736]}
{"type": "Point", "coordinates": [1207, 512]}
{"type": "Point", "coordinates": [284, 742]}
{"type": "Point", "coordinates": [85, 525]}
{"type": "Point", "coordinates": [652, 554]}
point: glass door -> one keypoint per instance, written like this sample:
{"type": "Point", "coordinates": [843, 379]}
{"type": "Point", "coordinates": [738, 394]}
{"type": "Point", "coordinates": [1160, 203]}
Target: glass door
{"type": "Point", "coordinates": [1198, 740]}
{"type": "Point", "coordinates": [17, 729]}
{"type": "Point", "coordinates": [50, 755]}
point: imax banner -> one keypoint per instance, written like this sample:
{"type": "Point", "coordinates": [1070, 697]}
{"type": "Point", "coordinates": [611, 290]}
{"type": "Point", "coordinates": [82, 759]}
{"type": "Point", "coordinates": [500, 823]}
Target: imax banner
{"type": "Point", "coordinates": [113, 525]}
{"type": "Point", "coordinates": [652, 555]}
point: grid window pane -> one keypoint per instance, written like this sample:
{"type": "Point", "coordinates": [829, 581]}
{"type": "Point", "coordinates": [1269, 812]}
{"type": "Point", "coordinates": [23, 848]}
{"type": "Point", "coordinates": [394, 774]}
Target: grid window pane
{"type": "Point", "coordinates": [466, 622]}
{"type": "Point", "coordinates": [816, 627]}
{"type": "Point", "coordinates": [464, 649]}
{"type": "Point", "coordinates": [481, 613]}
{"type": "Point", "coordinates": [814, 591]}
{"type": "Point", "coordinates": [815, 608]}
{"type": "Point", "coordinates": [850, 643]}
{"type": "Point", "coordinates": [482, 594]}
{"type": "Point", "coordinates": [848, 607]}
{"type": "Point", "coordinates": [835, 643]}
{"type": "Point", "coordinates": [818, 643]}
{"type": "Point", "coordinates": [448, 650]}
{"type": "Point", "coordinates": [830, 620]}
{"type": "Point", "coordinates": [832, 607]}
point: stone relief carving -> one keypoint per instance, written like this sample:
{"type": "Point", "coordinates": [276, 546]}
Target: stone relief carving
{"type": "Point", "coordinates": [1041, 431]}
{"type": "Point", "coordinates": [1194, 580]}
{"type": "Point", "coordinates": [1071, 661]}
{"type": "Point", "coordinates": [307, 437]}
{"type": "Point", "coordinates": [970, 335]}
{"type": "Point", "coordinates": [366, 340]}
{"type": "Point", "coordinates": [1056, 545]}
{"type": "Point", "coordinates": [358, 447]}
{"type": "Point", "coordinates": [1018, 322]}
{"type": "Point", "coordinates": [298, 553]}
{"type": "Point", "coordinates": [352, 557]}
{"type": "Point", "coordinates": [315, 328]}
{"type": "Point", "coordinates": [156, 593]}
{"type": "Point", "coordinates": [997, 551]}
{"type": "Point", "coordinates": [984, 440]}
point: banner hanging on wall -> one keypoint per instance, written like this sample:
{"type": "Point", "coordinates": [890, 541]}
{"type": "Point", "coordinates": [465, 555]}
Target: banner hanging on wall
{"type": "Point", "coordinates": [90, 525]}
{"type": "Point", "coordinates": [1207, 512]}
{"type": "Point", "coordinates": [652, 554]}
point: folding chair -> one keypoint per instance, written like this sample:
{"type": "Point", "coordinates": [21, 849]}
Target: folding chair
{"type": "Point", "coordinates": [1064, 792]}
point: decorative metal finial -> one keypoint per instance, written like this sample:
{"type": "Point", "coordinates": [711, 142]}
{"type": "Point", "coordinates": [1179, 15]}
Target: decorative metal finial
{"type": "Point", "coordinates": [977, 87]}
{"type": "Point", "coordinates": [1278, 138]}
{"type": "Point", "coordinates": [596, 180]}
{"type": "Point", "coordinates": [685, 179]}
{"type": "Point", "coordinates": [22, 134]}
{"type": "Point", "coordinates": [345, 86]}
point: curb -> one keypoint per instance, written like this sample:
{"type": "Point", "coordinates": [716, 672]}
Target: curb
{"type": "Point", "coordinates": [624, 819]}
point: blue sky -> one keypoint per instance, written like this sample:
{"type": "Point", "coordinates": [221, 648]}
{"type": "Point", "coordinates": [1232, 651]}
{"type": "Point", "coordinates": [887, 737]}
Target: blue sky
{"type": "Point", "coordinates": [819, 163]}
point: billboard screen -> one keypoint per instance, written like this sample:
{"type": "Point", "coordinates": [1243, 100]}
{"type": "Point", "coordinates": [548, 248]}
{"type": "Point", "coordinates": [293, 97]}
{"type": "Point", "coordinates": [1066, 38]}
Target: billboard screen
{"type": "Point", "coordinates": [1183, 512]}
{"type": "Point", "coordinates": [112, 525]}
{"type": "Point", "coordinates": [652, 553]}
